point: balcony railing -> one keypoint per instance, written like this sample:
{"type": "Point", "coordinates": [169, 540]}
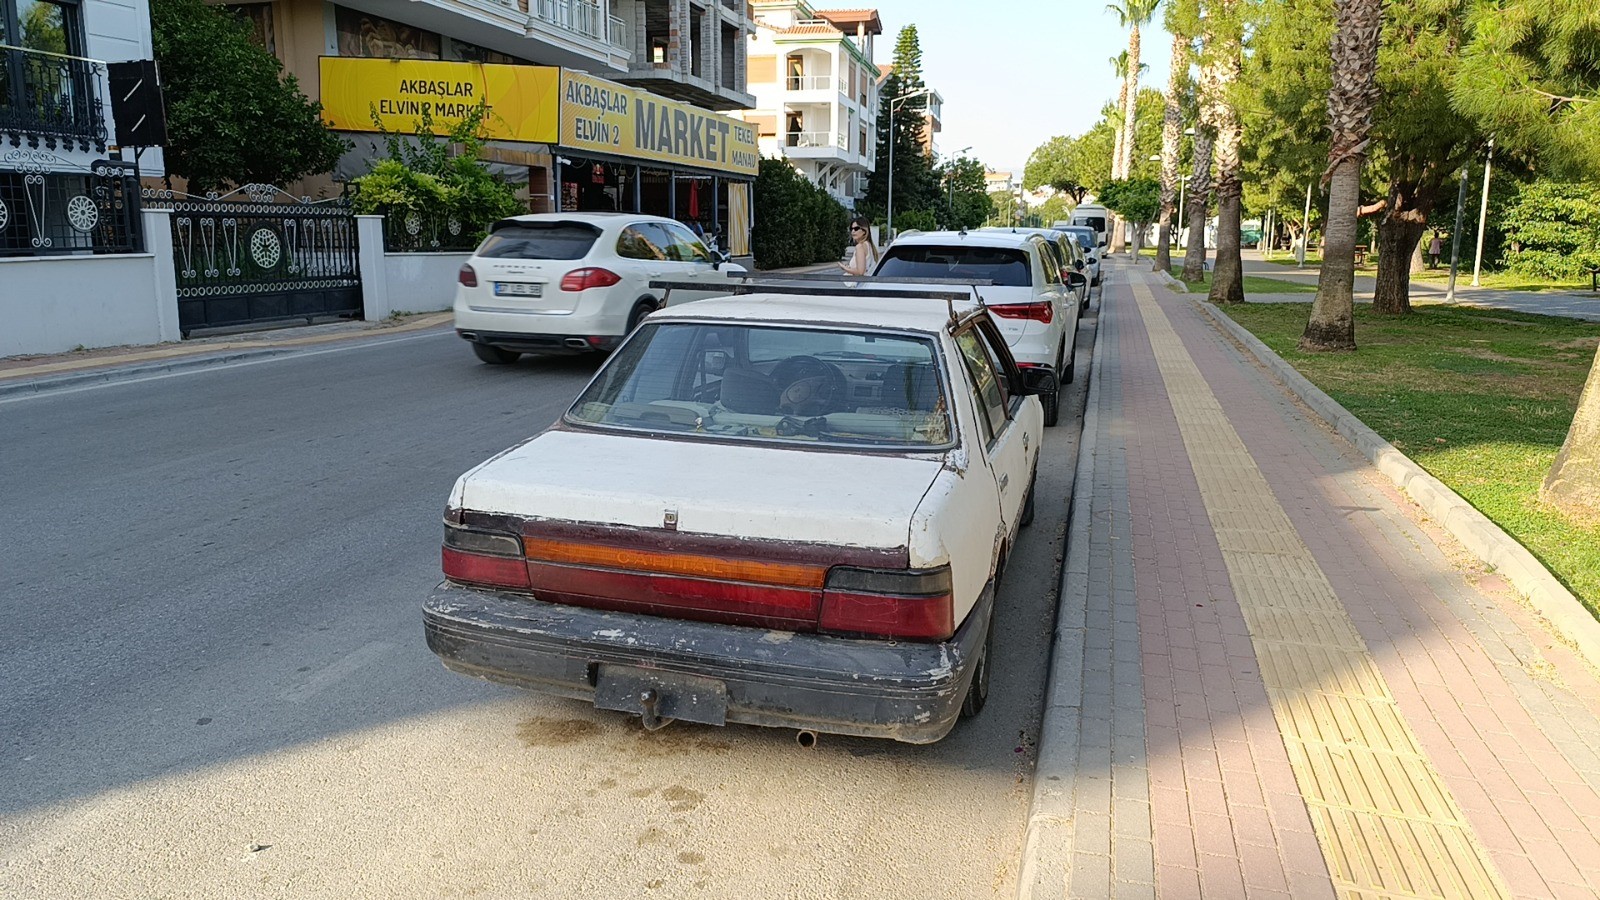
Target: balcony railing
{"type": "Point", "coordinates": [815, 139]}
{"type": "Point", "coordinates": [809, 82]}
{"type": "Point", "coordinates": [619, 33]}
{"type": "Point", "coordinates": [581, 16]}
{"type": "Point", "coordinates": [52, 99]}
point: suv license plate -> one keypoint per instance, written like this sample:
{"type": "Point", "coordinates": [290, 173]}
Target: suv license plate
{"type": "Point", "coordinates": [517, 289]}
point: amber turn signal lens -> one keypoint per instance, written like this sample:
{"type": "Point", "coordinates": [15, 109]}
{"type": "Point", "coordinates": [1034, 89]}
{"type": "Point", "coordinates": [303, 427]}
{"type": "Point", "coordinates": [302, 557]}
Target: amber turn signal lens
{"type": "Point", "coordinates": [692, 565]}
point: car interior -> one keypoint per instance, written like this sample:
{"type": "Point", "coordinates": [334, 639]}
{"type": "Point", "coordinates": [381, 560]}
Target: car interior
{"type": "Point", "coordinates": [775, 383]}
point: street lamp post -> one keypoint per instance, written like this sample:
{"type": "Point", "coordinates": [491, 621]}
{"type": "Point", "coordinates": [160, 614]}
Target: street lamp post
{"type": "Point", "coordinates": [950, 199]}
{"type": "Point", "coordinates": [894, 103]}
{"type": "Point", "coordinates": [1483, 212]}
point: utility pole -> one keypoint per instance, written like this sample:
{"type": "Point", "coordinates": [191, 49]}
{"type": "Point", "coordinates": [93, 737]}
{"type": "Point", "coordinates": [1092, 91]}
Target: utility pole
{"type": "Point", "coordinates": [1305, 229]}
{"type": "Point", "coordinates": [1455, 237]}
{"type": "Point", "coordinates": [1483, 213]}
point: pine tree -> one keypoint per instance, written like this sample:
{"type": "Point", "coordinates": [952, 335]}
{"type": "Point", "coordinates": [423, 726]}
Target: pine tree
{"type": "Point", "coordinates": [916, 184]}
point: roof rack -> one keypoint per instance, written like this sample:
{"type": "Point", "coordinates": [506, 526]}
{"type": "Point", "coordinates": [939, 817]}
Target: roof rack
{"type": "Point", "coordinates": [823, 284]}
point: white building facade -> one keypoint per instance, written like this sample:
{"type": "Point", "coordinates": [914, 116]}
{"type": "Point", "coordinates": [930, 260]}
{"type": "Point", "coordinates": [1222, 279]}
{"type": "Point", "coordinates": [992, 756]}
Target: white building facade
{"type": "Point", "coordinates": [57, 193]}
{"type": "Point", "coordinates": [816, 97]}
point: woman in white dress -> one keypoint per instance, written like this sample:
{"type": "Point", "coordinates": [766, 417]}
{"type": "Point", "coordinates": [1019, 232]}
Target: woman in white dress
{"type": "Point", "coordinates": [863, 255]}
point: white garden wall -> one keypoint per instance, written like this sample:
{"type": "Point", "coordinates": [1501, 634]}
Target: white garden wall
{"type": "Point", "coordinates": [422, 282]}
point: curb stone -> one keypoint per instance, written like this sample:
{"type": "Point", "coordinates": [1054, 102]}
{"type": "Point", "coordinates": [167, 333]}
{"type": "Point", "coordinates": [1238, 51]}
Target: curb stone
{"type": "Point", "coordinates": [1047, 842]}
{"type": "Point", "coordinates": [109, 374]}
{"type": "Point", "coordinates": [1481, 536]}
{"type": "Point", "coordinates": [1171, 282]}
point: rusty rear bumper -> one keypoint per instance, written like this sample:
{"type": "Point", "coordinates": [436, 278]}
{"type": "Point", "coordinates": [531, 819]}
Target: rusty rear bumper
{"type": "Point", "coordinates": [905, 691]}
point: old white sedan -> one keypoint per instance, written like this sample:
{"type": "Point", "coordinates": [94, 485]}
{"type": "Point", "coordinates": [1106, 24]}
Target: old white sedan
{"type": "Point", "coordinates": [769, 509]}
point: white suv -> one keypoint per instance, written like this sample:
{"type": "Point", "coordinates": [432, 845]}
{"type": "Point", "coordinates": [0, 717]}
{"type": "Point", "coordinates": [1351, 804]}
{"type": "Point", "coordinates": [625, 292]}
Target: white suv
{"type": "Point", "coordinates": [575, 282]}
{"type": "Point", "coordinates": [1036, 311]}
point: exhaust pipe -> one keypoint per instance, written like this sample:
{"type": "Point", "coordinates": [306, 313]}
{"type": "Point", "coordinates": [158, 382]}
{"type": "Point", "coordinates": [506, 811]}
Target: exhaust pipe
{"type": "Point", "coordinates": [575, 343]}
{"type": "Point", "coordinates": [806, 738]}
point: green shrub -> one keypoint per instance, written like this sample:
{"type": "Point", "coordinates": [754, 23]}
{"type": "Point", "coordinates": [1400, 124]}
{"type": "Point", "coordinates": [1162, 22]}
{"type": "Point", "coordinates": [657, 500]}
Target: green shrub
{"type": "Point", "coordinates": [796, 222]}
{"type": "Point", "coordinates": [1553, 230]}
{"type": "Point", "coordinates": [919, 219]}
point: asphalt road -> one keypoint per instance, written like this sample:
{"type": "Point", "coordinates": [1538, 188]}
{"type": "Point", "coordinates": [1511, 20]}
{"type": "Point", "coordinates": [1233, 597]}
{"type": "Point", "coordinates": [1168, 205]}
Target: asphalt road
{"type": "Point", "coordinates": [213, 680]}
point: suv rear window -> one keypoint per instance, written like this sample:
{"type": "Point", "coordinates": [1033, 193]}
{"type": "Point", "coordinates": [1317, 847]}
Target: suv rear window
{"type": "Point", "coordinates": [1005, 266]}
{"type": "Point", "coordinates": [539, 240]}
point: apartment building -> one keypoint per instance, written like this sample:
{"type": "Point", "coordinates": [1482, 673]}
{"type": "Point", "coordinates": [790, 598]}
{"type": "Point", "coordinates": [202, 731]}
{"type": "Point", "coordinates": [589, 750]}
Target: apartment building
{"type": "Point", "coordinates": [61, 189]}
{"type": "Point", "coordinates": [815, 88]}
{"type": "Point", "coordinates": [565, 79]}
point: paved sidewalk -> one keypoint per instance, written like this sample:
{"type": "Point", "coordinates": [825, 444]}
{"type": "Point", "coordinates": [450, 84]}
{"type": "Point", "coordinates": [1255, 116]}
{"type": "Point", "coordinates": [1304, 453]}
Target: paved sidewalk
{"type": "Point", "coordinates": [1292, 686]}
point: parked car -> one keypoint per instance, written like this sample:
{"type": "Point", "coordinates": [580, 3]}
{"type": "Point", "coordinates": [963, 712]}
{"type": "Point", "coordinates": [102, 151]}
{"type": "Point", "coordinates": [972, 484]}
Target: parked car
{"type": "Point", "coordinates": [1091, 248]}
{"type": "Point", "coordinates": [768, 509]}
{"type": "Point", "coordinates": [574, 282]}
{"type": "Point", "coordinates": [1069, 257]}
{"type": "Point", "coordinates": [1095, 217]}
{"type": "Point", "coordinates": [1031, 299]}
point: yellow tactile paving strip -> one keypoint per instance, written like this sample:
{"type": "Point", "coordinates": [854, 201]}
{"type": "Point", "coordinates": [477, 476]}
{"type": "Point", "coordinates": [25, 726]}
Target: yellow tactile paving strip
{"type": "Point", "coordinates": [1384, 817]}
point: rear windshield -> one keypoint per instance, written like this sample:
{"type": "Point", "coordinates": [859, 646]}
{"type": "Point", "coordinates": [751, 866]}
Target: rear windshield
{"type": "Point", "coordinates": [1005, 266]}
{"type": "Point", "coordinates": [1098, 223]}
{"type": "Point", "coordinates": [540, 240]}
{"type": "Point", "coordinates": [1084, 239]}
{"type": "Point", "coordinates": [787, 385]}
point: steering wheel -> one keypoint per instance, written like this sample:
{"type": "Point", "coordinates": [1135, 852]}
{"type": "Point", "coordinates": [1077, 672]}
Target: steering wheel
{"type": "Point", "coordinates": [809, 386]}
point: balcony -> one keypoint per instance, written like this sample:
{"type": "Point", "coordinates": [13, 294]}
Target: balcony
{"type": "Point", "coordinates": [52, 99]}
{"type": "Point", "coordinates": [582, 16]}
{"type": "Point", "coordinates": [808, 83]}
{"type": "Point", "coordinates": [810, 139]}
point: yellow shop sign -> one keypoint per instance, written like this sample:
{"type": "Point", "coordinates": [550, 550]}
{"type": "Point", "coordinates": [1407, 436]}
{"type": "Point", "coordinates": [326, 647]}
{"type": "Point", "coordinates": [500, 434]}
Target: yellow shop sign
{"type": "Point", "coordinates": [358, 94]}
{"type": "Point", "coordinates": [606, 117]}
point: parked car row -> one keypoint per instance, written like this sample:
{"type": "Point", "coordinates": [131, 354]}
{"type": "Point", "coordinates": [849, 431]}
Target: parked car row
{"type": "Point", "coordinates": [789, 508]}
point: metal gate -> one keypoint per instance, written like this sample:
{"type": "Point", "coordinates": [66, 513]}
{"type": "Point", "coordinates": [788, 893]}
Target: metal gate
{"type": "Point", "coordinates": [258, 254]}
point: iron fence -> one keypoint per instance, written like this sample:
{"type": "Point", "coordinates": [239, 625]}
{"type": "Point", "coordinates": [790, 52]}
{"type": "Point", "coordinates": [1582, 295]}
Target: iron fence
{"type": "Point", "coordinates": [258, 254]}
{"type": "Point", "coordinates": [52, 99]}
{"type": "Point", "coordinates": [46, 212]}
{"type": "Point", "coordinates": [429, 233]}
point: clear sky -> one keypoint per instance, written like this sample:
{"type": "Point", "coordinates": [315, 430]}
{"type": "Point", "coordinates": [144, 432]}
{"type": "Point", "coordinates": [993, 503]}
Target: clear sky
{"type": "Point", "coordinates": [1014, 73]}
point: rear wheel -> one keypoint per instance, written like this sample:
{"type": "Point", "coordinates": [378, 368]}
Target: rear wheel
{"type": "Point", "coordinates": [1052, 407]}
{"type": "Point", "coordinates": [978, 690]}
{"type": "Point", "coordinates": [494, 356]}
{"type": "Point", "coordinates": [643, 308]}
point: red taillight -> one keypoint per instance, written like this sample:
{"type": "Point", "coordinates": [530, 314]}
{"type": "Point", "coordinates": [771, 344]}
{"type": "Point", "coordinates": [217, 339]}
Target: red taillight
{"type": "Point", "coordinates": [912, 604]}
{"type": "Point", "coordinates": [467, 276]}
{"type": "Point", "coordinates": [484, 558]}
{"type": "Point", "coordinates": [592, 277]}
{"type": "Point", "coordinates": [1039, 312]}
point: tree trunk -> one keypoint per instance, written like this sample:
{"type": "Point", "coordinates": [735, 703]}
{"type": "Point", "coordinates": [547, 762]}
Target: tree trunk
{"type": "Point", "coordinates": [1227, 276]}
{"type": "Point", "coordinates": [1573, 484]}
{"type": "Point", "coordinates": [1131, 101]}
{"type": "Point", "coordinates": [1351, 98]}
{"type": "Point", "coordinates": [1332, 325]}
{"type": "Point", "coordinates": [1116, 148]}
{"type": "Point", "coordinates": [1419, 263]}
{"type": "Point", "coordinates": [1400, 230]}
{"type": "Point", "coordinates": [1171, 140]}
{"type": "Point", "coordinates": [1194, 256]}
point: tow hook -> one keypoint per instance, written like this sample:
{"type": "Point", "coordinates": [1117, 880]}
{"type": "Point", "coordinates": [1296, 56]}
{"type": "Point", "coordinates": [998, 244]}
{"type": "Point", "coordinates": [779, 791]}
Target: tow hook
{"type": "Point", "coordinates": [652, 720]}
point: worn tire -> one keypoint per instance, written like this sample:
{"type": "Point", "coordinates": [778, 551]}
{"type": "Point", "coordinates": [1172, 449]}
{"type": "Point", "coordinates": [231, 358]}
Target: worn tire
{"type": "Point", "coordinates": [1052, 407]}
{"type": "Point", "coordinates": [495, 356]}
{"type": "Point", "coordinates": [978, 691]}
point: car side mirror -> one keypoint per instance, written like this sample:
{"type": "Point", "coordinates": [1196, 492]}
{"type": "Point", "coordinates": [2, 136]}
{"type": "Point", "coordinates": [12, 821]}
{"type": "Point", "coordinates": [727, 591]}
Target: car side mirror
{"type": "Point", "coordinates": [1038, 381]}
{"type": "Point", "coordinates": [1102, 243]}
{"type": "Point", "coordinates": [1078, 264]}
{"type": "Point", "coordinates": [1076, 279]}
{"type": "Point", "coordinates": [718, 257]}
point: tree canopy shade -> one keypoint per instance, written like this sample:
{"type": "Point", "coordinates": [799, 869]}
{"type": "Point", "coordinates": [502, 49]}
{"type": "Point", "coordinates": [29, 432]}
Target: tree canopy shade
{"type": "Point", "coordinates": [1530, 75]}
{"type": "Point", "coordinates": [233, 116]}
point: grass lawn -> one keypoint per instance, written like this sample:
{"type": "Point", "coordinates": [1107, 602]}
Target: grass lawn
{"type": "Point", "coordinates": [1480, 398]}
{"type": "Point", "coordinates": [1257, 284]}
{"type": "Point", "coordinates": [1505, 281]}
{"type": "Point", "coordinates": [1287, 259]}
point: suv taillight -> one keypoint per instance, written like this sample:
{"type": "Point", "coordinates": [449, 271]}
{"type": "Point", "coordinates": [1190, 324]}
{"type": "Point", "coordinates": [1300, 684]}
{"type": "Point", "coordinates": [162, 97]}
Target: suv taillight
{"type": "Point", "coordinates": [484, 558]}
{"type": "Point", "coordinates": [914, 604]}
{"type": "Point", "coordinates": [467, 276]}
{"type": "Point", "coordinates": [583, 279]}
{"type": "Point", "coordinates": [1042, 311]}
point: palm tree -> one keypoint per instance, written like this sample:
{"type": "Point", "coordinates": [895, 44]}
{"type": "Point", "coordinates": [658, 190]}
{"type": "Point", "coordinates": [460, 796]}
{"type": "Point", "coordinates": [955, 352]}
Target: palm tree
{"type": "Point", "coordinates": [1171, 138]}
{"type": "Point", "coordinates": [1130, 14]}
{"type": "Point", "coordinates": [1119, 64]}
{"type": "Point", "coordinates": [1224, 63]}
{"type": "Point", "coordinates": [1351, 98]}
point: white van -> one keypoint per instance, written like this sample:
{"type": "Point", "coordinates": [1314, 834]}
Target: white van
{"type": "Point", "coordinates": [1095, 217]}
